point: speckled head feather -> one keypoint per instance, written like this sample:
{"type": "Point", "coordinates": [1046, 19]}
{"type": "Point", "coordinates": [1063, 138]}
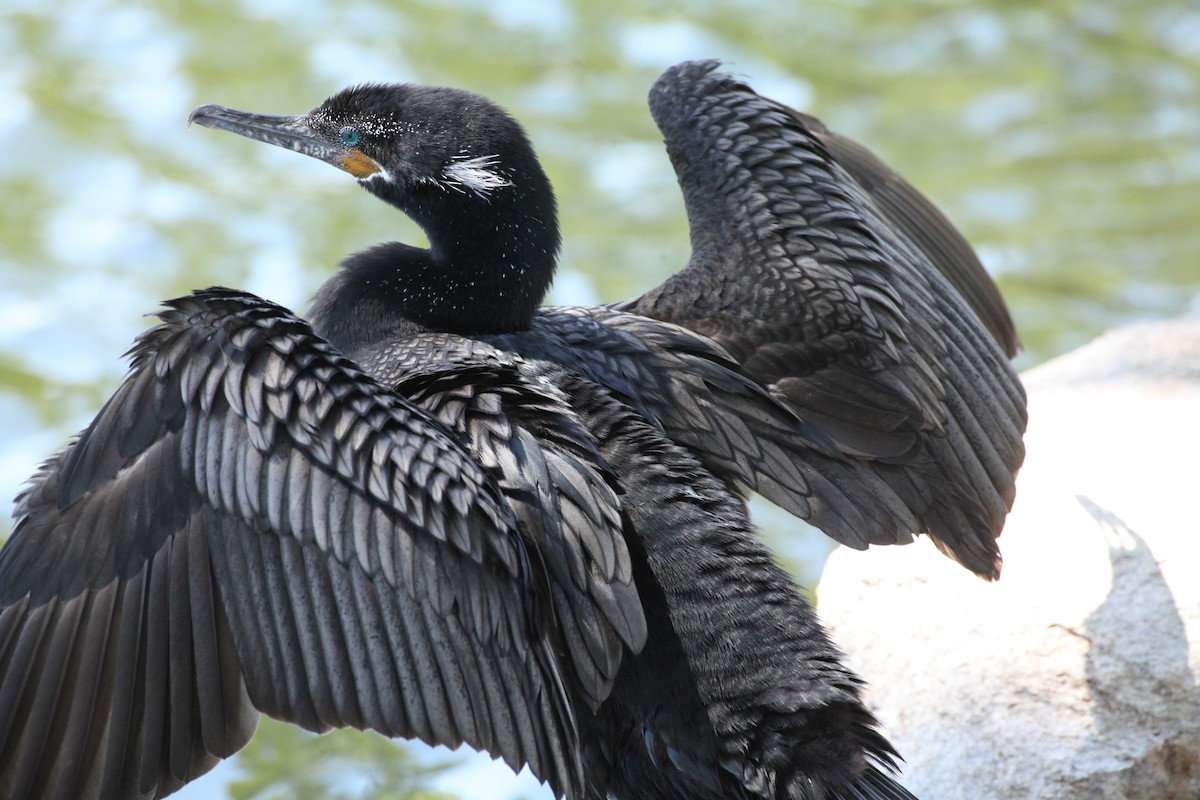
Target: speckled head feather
{"type": "Point", "coordinates": [426, 135]}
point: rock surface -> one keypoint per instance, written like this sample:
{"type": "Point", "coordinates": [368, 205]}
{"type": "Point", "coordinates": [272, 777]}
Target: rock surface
{"type": "Point", "coordinates": [1077, 675]}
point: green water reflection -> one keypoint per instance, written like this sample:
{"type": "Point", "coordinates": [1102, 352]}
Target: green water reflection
{"type": "Point", "coordinates": [1063, 137]}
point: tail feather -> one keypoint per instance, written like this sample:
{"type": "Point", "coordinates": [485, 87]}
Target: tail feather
{"type": "Point", "coordinates": [875, 785]}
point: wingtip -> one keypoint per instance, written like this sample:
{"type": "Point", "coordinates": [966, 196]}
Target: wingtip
{"type": "Point", "coordinates": [987, 564]}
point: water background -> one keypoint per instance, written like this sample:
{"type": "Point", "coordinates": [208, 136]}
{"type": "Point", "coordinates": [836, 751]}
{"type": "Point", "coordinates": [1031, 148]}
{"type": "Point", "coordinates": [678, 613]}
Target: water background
{"type": "Point", "coordinates": [1062, 137]}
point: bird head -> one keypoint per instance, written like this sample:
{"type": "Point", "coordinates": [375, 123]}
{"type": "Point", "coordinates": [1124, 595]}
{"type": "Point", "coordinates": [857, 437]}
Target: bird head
{"type": "Point", "coordinates": [460, 167]}
{"type": "Point", "coordinates": [402, 141]}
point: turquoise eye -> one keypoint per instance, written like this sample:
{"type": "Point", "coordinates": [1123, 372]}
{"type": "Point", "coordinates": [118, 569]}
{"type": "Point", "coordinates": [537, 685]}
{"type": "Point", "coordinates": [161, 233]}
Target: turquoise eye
{"type": "Point", "coordinates": [350, 136]}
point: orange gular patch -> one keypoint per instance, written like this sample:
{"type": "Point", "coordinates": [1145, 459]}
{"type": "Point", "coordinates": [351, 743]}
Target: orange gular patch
{"type": "Point", "coordinates": [359, 165]}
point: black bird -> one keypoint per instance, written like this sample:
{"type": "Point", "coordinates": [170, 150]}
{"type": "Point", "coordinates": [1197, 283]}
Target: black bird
{"type": "Point", "coordinates": [443, 512]}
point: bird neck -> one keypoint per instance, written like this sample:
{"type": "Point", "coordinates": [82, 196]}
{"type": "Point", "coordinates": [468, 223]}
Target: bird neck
{"type": "Point", "coordinates": [488, 266]}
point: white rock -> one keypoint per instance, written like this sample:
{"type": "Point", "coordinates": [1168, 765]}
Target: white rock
{"type": "Point", "coordinates": [1077, 675]}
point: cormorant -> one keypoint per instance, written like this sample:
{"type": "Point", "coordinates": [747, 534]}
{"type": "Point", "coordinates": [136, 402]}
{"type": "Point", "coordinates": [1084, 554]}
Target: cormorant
{"type": "Point", "coordinates": [446, 513]}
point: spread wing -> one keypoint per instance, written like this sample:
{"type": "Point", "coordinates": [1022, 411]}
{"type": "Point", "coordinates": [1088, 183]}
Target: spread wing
{"type": "Point", "coordinates": [836, 285]}
{"type": "Point", "coordinates": [251, 523]}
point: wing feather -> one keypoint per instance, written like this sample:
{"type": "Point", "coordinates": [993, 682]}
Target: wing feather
{"type": "Point", "coordinates": [252, 523]}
